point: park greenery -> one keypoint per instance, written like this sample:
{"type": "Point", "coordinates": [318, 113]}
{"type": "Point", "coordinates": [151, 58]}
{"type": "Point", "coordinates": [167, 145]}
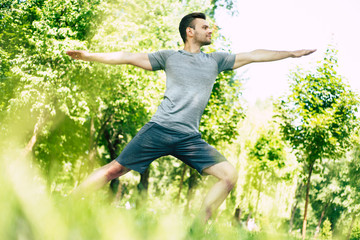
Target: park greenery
{"type": "Point", "coordinates": [298, 156]}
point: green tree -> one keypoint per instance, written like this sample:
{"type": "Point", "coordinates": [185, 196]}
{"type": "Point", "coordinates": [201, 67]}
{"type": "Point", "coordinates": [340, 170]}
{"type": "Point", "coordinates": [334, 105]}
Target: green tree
{"type": "Point", "coordinates": [351, 196]}
{"type": "Point", "coordinates": [328, 187]}
{"type": "Point", "coordinates": [266, 159]}
{"type": "Point", "coordinates": [39, 32]}
{"type": "Point", "coordinates": [318, 117]}
{"type": "Point", "coordinates": [66, 112]}
{"type": "Point", "coordinates": [73, 113]}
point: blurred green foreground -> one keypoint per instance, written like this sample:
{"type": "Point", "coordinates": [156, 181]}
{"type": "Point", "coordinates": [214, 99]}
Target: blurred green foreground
{"type": "Point", "coordinates": [60, 119]}
{"type": "Point", "coordinates": [29, 212]}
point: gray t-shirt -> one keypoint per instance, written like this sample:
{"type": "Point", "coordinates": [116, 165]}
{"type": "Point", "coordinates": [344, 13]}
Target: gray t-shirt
{"type": "Point", "coordinates": [189, 81]}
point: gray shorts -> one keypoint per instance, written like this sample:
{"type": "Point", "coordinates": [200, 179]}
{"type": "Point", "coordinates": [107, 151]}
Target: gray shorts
{"type": "Point", "coordinates": [154, 141]}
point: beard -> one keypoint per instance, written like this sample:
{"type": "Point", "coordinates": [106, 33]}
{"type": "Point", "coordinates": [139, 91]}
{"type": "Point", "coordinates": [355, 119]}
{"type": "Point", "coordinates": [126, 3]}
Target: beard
{"type": "Point", "coordinates": [203, 40]}
{"type": "Point", "coordinates": [207, 42]}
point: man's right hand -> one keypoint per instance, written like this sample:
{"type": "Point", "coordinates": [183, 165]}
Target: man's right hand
{"type": "Point", "coordinates": [78, 55]}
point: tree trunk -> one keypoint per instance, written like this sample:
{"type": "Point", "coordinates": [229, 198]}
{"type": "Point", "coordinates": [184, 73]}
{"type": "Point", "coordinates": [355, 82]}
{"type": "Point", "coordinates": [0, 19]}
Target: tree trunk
{"type": "Point", "coordinates": [190, 192]}
{"type": "Point", "coordinates": [298, 193]}
{"type": "Point", "coordinates": [142, 188]}
{"type": "Point", "coordinates": [112, 142]}
{"type": "Point", "coordinates": [92, 146]}
{"type": "Point", "coordinates": [307, 200]}
{"type": "Point", "coordinates": [320, 220]}
{"type": "Point", "coordinates": [293, 210]}
{"type": "Point", "coordinates": [237, 214]}
{"type": "Point", "coordinates": [119, 192]}
{"type": "Point", "coordinates": [248, 218]}
{"type": "Point", "coordinates": [181, 183]}
{"type": "Point", "coordinates": [144, 183]}
{"type": "Point", "coordinates": [258, 195]}
{"type": "Point", "coordinates": [351, 226]}
{"type": "Point", "coordinates": [94, 139]}
{"type": "Point", "coordinates": [37, 129]}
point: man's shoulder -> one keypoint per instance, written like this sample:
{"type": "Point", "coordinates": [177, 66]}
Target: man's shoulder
{"type": "Point", "coordinates": [225, 60]}
{"type": "Point", "coordinates": [167, 51]}
{"type": "Point", "coordinates": [159, 59]}
{"type": "Point", "coordinates": [219, 54]}
{"type": "Point", "coordinates": [163, 53]}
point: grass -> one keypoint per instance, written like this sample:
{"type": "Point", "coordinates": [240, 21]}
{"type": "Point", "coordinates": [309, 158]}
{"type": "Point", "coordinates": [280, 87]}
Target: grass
{"type": "Point", "coordinates": [96, 219]}
{"type": "Point", "coordinates": [29, 211]}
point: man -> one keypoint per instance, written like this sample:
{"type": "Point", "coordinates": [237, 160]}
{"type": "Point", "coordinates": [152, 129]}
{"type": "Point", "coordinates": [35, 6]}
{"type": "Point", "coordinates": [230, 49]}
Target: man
{"type": "Point", "coordinates": [174, 129]}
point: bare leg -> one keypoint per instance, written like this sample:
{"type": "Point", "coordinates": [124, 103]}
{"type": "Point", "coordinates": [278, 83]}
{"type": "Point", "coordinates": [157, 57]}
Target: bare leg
{"type": "Point", "coordinates": [227, 176]}
{"type": "Point", "coordinates": [100, 177]}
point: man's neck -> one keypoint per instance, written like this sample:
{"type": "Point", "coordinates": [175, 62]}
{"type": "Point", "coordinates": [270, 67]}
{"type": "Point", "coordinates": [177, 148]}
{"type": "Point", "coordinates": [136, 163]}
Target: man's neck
{"type": "Point", "coordinates": [192, 48]}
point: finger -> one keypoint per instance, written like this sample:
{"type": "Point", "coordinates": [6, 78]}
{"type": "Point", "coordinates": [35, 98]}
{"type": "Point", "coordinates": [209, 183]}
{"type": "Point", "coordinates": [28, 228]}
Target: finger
{"type": "Point", "coordinates": [310, 51]}
{"type": "Point", "coordinates": [306, 52]}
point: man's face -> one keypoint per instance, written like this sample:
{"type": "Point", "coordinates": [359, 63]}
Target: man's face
{"type": "Point", "coordinates": [202, 31]}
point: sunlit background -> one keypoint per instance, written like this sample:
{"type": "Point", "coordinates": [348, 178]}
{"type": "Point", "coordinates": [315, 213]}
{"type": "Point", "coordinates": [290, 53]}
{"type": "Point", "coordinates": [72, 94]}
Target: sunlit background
{"type": "Point", "coordinates": [292, 25]}
{"type": "Point", "coordinates": [60, 119]}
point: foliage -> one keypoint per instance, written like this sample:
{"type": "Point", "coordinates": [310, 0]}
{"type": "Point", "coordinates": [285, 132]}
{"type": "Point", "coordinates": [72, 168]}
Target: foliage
{"type": "Point", "coordinates": [228, 4]}
{"type": "Point", "coordinates": [79, 115]}
{"type": "Point", "coordinates": [326, 232]}
{"type": "Point", "coordinates": [268, 149]}
{"type": "Point", "coordinates": [221, 116]}
{"type": "Point", "coordinates": [355, 233]}
{"type": "Point", "coordinates": [353, 175]}
{"type": "Point", "coordinates": [29, 212]}
{"type": "Point", "coordinates": [318, 117]}
{"type": "Point", "coordinates": [266, 160]}
{"type": "Point", "coordinates": [40, 31]}
{"type": "Point", "coordinates": [328, 188]}
{"type": "Point", "coordinates": [350, 196]}
{"type": "Point", "coordinates": [71, 114]}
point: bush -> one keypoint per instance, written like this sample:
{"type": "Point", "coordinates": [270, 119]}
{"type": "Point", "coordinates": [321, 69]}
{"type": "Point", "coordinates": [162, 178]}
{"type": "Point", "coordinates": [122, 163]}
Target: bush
{"type": "Point", "coordinates": [326, 232]}
{"type": "Point", "coordinates": [355, 233]}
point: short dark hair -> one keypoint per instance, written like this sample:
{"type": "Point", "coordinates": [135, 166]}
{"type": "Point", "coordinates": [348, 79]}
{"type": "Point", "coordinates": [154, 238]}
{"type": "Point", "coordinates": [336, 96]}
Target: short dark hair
{"type": "Point", "coordinates": [187, 21]}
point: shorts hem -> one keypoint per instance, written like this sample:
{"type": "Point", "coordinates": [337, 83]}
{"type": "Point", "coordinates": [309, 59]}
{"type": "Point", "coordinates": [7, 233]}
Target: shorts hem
{"type": "Point", "coordinates": [209, 165]}
{"type": "Point", "coordinates": [131, 168]}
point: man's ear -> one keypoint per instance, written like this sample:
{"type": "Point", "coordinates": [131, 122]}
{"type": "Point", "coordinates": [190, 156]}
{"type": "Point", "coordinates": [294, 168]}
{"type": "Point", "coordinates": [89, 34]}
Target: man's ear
{"type": "Point", "coordinates": [189, 31]}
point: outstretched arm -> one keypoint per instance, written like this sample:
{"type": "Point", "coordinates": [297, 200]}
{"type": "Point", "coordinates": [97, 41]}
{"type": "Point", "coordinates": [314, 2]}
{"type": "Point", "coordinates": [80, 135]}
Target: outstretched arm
{"type": "Point", "coordinates": [261, 55]}
{"type": "Point", "coordinates": [137, 59]}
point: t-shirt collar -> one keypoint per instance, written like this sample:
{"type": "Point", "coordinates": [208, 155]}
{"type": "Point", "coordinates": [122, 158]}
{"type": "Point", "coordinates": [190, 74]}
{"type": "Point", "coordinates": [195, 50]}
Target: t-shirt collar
{"type": "Point", "coordinates": [189, 53]}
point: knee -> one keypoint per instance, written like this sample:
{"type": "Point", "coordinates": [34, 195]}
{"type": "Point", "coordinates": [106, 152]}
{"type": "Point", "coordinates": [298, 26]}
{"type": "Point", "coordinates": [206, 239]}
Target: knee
{"type": "Point", "coordinates": [231, 179]}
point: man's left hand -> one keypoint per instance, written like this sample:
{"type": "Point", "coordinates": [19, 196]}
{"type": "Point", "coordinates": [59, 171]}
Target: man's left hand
{"type": "Point", "coordinates": [303, 52]}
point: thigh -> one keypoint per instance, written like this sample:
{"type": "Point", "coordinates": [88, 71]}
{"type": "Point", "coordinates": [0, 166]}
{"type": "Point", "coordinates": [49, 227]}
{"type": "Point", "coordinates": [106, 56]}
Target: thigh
{"type": "Point", "coordinates": [145, 147]}
{"type": "Point", "coordinates": [198, 154]}
{"type": "Point", "coordinates": [223, 170]}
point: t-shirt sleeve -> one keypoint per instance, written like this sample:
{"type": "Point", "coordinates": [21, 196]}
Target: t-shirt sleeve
{"type": "Point", "coordinates": [224, 60]}
{"type": "Point", "coordinates": [158, 59]}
